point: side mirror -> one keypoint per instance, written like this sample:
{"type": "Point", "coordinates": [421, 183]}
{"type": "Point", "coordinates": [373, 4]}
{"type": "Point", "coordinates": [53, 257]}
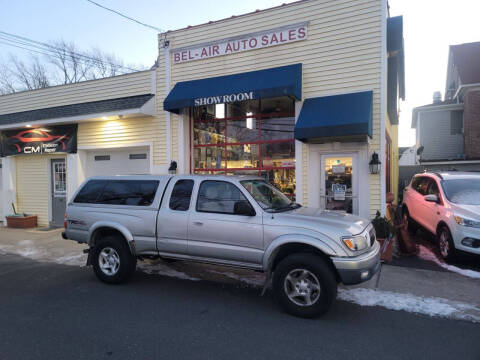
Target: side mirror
{"type": "Point", "coordinates": [244, 208]}
{"type": "Point", "coordinates": [432, 198]}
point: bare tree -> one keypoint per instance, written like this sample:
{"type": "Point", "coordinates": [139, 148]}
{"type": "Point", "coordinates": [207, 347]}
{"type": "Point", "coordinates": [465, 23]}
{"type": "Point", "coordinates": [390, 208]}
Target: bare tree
{"type": "Point", "coordinates": [22, 75]}
{"type": "Point", "coordinates": [64, 64]}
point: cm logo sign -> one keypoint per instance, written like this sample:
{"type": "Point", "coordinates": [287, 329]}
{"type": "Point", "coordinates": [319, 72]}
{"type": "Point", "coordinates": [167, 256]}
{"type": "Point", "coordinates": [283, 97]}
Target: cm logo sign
{"type": "Point", "coordinates": [32, 150]}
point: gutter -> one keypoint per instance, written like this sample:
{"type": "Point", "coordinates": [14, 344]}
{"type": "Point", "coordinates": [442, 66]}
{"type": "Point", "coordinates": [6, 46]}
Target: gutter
{"type": "Point", "coordinates": [462, 88]}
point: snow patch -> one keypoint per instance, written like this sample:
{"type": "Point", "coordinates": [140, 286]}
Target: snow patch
{"type": "Point", "coordinates": [251, 280]}
{"type": "Point", "coordinates": [162, 269]}
{"type": "Point", "coordinates": [411, 303]}
{"type": "Point", "coordinates": [426, 254]}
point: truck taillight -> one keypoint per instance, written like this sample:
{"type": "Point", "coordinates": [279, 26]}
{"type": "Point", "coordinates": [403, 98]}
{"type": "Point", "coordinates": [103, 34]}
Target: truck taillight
{"type": "Point", "coordinates": [65, 221]}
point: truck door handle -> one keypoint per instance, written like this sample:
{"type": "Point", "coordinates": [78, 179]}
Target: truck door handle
{"type": "Point", "coordinates": [198, 223]}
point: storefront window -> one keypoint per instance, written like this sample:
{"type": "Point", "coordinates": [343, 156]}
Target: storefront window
{"type": "Point", "coordinates": [253, 137]}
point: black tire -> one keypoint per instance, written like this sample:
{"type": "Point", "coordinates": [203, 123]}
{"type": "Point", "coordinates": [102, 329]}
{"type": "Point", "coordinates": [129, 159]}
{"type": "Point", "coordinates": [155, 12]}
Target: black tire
{"type": "Point", "coordinates": [126, 261]}
{"type": "Point", "coordinates": [315, 265]}
{"type": "Point", "coordinates": [412, 225]}
{"type": "Point", "coordinates": [446, 244]}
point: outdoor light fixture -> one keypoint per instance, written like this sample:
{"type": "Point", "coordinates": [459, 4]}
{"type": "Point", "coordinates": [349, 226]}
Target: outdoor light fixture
{"type": "Point", "coordinates": [374, 164]}
{"type": "Point", "coordinates": [173, 167]}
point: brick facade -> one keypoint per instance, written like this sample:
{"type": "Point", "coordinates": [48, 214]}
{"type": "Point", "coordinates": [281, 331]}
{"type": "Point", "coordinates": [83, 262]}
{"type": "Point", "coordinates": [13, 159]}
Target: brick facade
{"type": "Point", "coordinates": [471, 118]}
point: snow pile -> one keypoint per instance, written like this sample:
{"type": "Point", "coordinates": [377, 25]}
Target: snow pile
{"type": "Point", "coordinates": [159, 268]}
{"type": "Point", "coordinates": [254, 280]}
{"type": "Point", "coordinates": [26, 249]}
{"type": "Point", "coordinates": [411, 303]}
{"type": "Point", "coordinates": [426, 254]}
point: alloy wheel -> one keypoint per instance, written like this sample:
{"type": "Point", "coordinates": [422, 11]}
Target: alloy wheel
{"type": "Point", "coordinates": [109, 261]}
{"type": "Point", "coordinates": [444, 244]}
{"type": "Point", "coordinates": [302, 287]}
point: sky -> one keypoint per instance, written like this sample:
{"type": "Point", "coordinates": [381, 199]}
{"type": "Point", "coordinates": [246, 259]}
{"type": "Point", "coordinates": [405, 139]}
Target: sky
{"type": "Point", "coordinates": [430, 26]}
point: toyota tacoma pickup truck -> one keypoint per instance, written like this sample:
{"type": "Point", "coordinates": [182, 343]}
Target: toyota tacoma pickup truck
{"type": "Point", "coordinates": [225, 220]}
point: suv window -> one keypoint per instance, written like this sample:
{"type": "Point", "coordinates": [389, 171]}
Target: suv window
{"type": "Point", "coordinates": [420, 184]}
{"type": "Point", "coordinates": [90, 192]}
{"type": "Point", "coordinates": [181, 194]}
{"type": "Point", "coordinates": [129, 192]}
{"type": "Point", "coordinates": [218, 197]}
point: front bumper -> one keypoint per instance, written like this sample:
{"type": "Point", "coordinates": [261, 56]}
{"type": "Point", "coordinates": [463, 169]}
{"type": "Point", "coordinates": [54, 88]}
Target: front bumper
{"type": "Point", "coordinates": [355, 270]}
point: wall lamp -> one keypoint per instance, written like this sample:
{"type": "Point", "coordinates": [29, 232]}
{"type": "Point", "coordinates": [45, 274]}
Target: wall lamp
{"type": "Point", "coordinates": [374, 164]}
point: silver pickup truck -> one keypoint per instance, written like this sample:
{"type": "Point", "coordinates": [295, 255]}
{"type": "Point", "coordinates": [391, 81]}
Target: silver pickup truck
{"type": "Point", "coordinates": [228, 220]}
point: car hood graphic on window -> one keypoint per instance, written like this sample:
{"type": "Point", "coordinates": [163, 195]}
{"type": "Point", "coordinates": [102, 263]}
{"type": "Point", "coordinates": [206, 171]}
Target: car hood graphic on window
{"type": "Point", "coordinates": [37, 135]}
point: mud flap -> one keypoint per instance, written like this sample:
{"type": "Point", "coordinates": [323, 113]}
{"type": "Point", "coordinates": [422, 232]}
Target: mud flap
{"type": "Point", "coordinates": [89, 257]}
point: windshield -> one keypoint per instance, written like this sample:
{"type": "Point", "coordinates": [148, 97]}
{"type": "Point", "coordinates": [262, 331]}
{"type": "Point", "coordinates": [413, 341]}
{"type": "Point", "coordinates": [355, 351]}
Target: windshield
{"type": "Point", "coordinates": [268, 196]}
{"type": "Point", "coordinates": [462, 191]}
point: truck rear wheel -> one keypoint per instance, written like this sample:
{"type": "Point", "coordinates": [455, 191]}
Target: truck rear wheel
{"type": "Point", "coordinates": [304, 285]}
{"type": "Point", "coordinates": [112, 260]}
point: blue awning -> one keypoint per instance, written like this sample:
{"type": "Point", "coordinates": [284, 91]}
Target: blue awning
{"type": "Point", "coordinates": [279, 81]}
{"type": "Point", "coordinates": [345, 117]}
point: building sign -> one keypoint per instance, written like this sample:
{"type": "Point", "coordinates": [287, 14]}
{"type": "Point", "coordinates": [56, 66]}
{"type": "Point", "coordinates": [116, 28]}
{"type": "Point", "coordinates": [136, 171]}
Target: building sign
{"type": "Point", "coordinates": [44, 140]}
{"type": "Point", "coordinates": [273, 37]}
{"type": "Point", "coordinates": [224, 98]}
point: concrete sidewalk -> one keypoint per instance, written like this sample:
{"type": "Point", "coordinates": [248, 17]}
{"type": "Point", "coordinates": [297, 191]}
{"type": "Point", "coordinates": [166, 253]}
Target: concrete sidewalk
{"type": "Point", "coordinates": [50, 247]}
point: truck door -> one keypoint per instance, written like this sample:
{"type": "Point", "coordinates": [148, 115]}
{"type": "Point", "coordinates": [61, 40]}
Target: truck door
{"type": "Point", "coordinates": [216, 232]}
{"type": "Point", "coordinates": [172, 223]}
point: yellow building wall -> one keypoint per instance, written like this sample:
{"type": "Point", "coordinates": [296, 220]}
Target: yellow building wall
{"type": "Point", "coordinates": [33, 182]}
{"type": "Point", "coordinates": [342, 54]}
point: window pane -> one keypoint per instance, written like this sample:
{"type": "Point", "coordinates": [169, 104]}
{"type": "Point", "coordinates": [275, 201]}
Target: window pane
{"type": "Point", "coordinates": [243, 108]}
{"type": "Point", "coordinates": [134, 193]}
{"type": "Point", "coordinates": [243, 130]}
{"type": "Point", "coordinates": [210, 157]}
{"type": "Point", "coordinates": [278, 128]}
{"type": "Point", "coordinates": [243, 156]}
{"type": "Point", "coordinates": [277, 105]}
{"type": "Point", "coordinates": [90, 192]}
{"type": "Point", "coordinates": [208, 132]}
{"type": "Point", "coordinates": [218, 197]}
{"type": "Point", "coordinates": [279, 154]}
{"type": "Point", "coordinates": [181, 194]}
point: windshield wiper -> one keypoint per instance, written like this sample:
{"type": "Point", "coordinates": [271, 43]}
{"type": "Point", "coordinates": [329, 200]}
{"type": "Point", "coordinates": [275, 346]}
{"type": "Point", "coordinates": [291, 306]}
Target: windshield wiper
{"type": "Point", "coordinates": [290, 206]}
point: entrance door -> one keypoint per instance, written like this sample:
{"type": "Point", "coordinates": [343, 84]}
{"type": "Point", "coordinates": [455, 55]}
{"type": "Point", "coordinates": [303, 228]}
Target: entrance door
{"type": "Point", "coordinates": [339, 188]}
{"type": "Point", "coordinates": [59, 191]}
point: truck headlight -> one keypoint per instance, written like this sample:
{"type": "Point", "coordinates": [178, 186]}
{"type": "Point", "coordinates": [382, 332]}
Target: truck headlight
{"type": "Point", "coordinates": [355, 243]}
{"type": "Point", "coordinates": [467, 222]}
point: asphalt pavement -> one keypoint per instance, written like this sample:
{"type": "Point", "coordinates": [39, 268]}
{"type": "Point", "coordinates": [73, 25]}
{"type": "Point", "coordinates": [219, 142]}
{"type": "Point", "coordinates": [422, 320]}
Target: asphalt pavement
{"type": "Point", "coordinates": [54, 311]}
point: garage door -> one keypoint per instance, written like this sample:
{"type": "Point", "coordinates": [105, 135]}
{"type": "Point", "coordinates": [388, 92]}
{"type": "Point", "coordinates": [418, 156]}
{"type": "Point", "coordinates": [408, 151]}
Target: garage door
{"type": "Point", "coordinates": [125, 161]}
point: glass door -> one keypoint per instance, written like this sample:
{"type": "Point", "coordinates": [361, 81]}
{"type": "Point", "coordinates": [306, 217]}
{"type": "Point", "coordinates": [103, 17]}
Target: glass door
{"type": "Point", "coordinates": [339, 183]}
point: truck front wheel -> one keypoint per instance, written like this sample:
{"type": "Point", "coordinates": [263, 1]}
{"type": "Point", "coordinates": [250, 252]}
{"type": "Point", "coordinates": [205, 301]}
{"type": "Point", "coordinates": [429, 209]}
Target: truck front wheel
{"type": "Point", "coordinates": [112, 261]}
{"type": "Point", "coordinates": [304, 285]}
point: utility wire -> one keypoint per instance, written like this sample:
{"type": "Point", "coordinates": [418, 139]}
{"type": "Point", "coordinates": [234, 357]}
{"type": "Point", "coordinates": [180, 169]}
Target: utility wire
{"type": "Point", "coordinates": [52, 50]}
{"type": "Point", "coordinates": [125, 16]}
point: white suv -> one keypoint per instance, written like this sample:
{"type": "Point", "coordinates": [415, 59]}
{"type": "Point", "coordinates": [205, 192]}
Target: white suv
{"type": "Point", "coordinates": [448, 205]}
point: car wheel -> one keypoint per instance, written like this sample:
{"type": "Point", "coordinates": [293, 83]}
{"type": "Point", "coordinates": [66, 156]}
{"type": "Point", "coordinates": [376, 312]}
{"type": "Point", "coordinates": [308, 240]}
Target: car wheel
{"type": "Point", "coordinates": [445, 243]}
{"type": "Point", "coordinates": [112, 260]}
{"type": "Point", "coordinates": [304, 285]}
{"type": "Point", "coordinates": [412, 225]}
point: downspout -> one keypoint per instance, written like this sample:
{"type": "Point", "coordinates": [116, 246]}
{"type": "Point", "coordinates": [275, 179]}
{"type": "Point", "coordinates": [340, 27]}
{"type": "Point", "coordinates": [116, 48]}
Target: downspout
{"type": "Point", "coordinates": [166, 54]}
{"type": "Point", "coordinates": [383, 107]}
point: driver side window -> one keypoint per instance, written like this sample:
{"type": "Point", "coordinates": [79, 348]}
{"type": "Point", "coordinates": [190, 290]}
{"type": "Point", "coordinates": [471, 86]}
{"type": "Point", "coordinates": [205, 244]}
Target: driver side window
{"type": "Point", "coordinates": [218, 197]}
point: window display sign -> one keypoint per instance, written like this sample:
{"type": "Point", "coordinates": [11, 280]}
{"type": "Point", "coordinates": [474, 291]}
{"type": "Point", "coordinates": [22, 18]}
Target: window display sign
{"type": "Point", "coordinates": [44, 140]}
{"type": "Point", "coordinates": [339, 191]}
{"type": "Point", "coordinates": [273, 37]}
{"type": "Point", "coordinates": [338, 169]}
